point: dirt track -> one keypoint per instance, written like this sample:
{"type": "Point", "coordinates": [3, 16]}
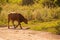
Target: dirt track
{"type": "Point", "coordinates": [15, 34]}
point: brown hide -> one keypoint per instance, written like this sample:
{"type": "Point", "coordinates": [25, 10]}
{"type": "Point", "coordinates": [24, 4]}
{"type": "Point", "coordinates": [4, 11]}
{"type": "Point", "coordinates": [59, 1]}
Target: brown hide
{"type": "Point", "coordinates": [16, 17]}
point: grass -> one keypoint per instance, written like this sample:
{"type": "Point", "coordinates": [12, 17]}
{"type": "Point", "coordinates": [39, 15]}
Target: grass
{"type": "Point", "coordinates": [45, 19]}
{"type": "Point", "coordinates": [43, 26]}
{"type": "Point", "coordinates": [51, 26]}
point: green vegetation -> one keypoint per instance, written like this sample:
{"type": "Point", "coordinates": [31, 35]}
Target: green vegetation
{"type": "Point", "coordinates": [42, 14]}
{"type": "Point", "coordinates": [53, 26]}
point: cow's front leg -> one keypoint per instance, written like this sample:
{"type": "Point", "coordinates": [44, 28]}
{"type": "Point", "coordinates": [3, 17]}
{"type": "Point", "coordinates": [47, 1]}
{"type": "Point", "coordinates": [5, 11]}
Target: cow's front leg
{"type": "Point", "coordinates": [20, 26]}
{"type": "Point", "coordinates": [16, 26]}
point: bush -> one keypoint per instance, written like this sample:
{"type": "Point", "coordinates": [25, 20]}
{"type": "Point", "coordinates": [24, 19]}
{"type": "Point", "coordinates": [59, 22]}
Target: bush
{"type": "Point", "coordinates": [0, 9]}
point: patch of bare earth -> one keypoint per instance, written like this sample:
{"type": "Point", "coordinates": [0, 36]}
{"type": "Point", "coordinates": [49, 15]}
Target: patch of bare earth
{"type": "Point", "coordinates": [14, 34]}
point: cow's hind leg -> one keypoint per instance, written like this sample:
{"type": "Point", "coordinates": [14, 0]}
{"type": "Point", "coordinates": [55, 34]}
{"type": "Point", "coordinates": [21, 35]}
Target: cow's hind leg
{"type": "Point", "coordinates": [8, 24]}
{"type": "Point", "coordinates": [13, 24]}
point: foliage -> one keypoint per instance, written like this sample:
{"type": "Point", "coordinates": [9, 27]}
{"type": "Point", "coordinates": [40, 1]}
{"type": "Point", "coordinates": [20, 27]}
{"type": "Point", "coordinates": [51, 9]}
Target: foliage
{"type": "Point", "coordinates": [53, 26]}
{"type": "Point", "coordinates": [15, 1]}
{"type": "Point", "coordinates": [0, 9]}
{"type": "Point", "coordinates": [27, 2]}
{"type": "Point", "coordinates": [57, 2]}
{"type": "Point", "coordinates": [42, 14]}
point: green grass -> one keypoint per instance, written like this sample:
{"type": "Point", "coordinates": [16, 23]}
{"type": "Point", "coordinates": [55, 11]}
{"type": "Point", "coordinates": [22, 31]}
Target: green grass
{"type": "Point", "coordinates": [45, 19]}
{"type": "Point", "coordinates": [39, 26]}
{"type": "Point", "coordinates": [43, 26]}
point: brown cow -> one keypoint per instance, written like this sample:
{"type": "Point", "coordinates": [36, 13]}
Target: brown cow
{"type": "Point", "coordinates": [16, 17]}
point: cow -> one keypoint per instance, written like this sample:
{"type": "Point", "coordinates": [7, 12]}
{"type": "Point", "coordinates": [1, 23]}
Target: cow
{"type": "Point", "coordinates": [16, 17]}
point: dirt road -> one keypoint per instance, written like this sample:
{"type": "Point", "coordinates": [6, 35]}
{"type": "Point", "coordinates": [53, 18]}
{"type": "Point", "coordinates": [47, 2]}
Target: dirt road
{"type": "Point", "coordinates": [15, 34]}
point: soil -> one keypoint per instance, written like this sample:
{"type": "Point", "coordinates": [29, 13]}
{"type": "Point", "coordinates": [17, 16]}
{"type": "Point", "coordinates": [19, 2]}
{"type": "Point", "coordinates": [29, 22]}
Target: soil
{"type": "Point", "coordinates": [24, 34]}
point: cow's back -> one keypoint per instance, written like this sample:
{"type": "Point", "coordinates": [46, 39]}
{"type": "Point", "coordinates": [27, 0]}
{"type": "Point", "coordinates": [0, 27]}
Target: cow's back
{"type": "Point", "coordinates": [15, 16]}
